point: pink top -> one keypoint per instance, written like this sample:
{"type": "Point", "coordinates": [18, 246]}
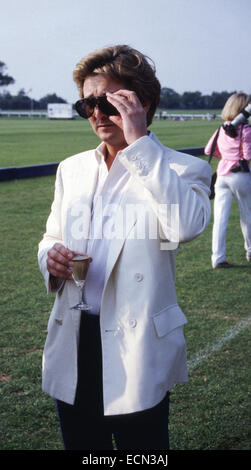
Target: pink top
{"type": "Point", "coordinates": [230, 150]}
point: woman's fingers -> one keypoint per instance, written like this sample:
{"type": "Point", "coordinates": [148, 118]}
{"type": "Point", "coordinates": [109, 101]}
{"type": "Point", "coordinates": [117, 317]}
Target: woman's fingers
{"type": "Point", "coordinates": [59, 261]}
{"type": "Point", "coordinates": [125, 100]}
{"type": "Point", "coordinates": [132, 117]}
{"type": "Point", "coordinates": [128, 95]}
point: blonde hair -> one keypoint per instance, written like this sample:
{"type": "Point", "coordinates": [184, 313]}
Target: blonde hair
{"type": "Point", "coordinates": [124, 64]}
{"type": "Point", "coordinates": [234, 106]}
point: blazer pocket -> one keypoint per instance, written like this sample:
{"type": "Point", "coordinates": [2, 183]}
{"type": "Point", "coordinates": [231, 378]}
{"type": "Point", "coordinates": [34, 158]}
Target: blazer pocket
{"type": "Point", "coordinates": [168, 319]}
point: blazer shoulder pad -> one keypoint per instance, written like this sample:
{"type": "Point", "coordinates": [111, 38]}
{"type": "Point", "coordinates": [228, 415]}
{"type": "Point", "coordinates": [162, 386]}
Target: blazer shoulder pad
{"type": "Point", "coordinates": [77, 158]}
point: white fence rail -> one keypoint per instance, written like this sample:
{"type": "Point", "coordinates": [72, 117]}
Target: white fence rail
{"type": "Point", "coordinates": [30, 114]}
{"type": "Point", "coordinates": [185, 116]}
{"type": "Point", "coordinates": [160, 115]}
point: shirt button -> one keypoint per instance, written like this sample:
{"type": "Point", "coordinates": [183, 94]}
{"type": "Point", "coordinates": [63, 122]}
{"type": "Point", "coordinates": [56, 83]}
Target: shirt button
{"type": "Point", "coordinates": [132, 322]}
{"type": "Point", "coordinates": [139, 277]}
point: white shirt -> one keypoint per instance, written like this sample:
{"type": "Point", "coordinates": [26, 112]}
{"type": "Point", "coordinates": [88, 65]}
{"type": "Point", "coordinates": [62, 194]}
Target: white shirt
{"type": "Point", "coordinates": [109, 190]}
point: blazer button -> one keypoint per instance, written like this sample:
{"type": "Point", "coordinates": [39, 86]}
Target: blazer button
{"type": "Point", "coordinates": [139, 277]}
{"type": "Point", "coordinates": [133, 323]}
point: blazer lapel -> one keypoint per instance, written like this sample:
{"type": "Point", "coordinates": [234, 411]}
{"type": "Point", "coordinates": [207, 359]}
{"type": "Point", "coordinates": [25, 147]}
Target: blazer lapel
{"type": "Point", "coordinates": [82, 181]}
{"type": "Point", "coordinates": [127, 217]}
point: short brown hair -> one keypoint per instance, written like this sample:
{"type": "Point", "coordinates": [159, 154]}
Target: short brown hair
{"type": "Point", "coordinates": [234, 105]}
{"type": "Point", "coordinates": [124, 64]}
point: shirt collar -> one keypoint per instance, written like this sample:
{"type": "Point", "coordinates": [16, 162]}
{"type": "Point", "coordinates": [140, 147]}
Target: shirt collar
{"type": "Point", "coordinates": [100, 152]}
{"type": "Point", "coordinates": [116, 169]}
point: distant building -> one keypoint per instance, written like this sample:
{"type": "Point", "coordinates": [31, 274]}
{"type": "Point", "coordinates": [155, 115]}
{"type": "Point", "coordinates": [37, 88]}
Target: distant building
{"type": "Point", "coordinates": [59, 111]}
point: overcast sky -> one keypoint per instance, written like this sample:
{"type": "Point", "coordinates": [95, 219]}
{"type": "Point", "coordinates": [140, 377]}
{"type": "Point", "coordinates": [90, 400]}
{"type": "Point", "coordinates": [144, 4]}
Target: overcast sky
{"type": "Point", "coordinates": [196, 44]}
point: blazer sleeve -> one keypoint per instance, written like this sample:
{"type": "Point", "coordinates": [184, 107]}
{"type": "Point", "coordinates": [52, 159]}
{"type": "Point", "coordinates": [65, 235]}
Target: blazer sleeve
{"type": "Point", "coordinates": [52, 235]}
{"type": "Point", "coordinates": [172, 178]}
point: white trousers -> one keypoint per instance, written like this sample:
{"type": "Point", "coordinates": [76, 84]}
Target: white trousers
{"type": "Point", "coordinates": [227, 187]}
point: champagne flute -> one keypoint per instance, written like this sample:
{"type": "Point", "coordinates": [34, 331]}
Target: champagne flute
{"type": "Point", "coordinates": [80, 268]}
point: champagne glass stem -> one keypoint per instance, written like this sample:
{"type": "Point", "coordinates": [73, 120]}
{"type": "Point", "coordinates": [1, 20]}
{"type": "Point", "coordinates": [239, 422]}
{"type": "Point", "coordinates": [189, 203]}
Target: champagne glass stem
{"type": "Point", "coordinates": [81, 293]}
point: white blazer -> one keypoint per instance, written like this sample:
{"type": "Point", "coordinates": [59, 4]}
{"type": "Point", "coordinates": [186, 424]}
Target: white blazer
{"type": "Point", "coordinates": [143, 346]}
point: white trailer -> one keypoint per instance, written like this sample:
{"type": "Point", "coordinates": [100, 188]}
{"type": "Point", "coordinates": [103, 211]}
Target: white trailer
{"type": "Point", "coordinates": [59, 111]}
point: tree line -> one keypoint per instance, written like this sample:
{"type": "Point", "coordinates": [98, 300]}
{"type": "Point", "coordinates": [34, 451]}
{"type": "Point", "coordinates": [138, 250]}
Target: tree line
{"type": "Point", "coordinates": [21, 101]}
{"type": "Point", "coordinates": [169, 98]}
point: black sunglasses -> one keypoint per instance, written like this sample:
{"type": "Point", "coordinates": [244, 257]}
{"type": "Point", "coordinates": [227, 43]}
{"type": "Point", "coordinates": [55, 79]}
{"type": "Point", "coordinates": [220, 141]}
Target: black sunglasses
{"type": "Point", "coordinates": [85, 107]}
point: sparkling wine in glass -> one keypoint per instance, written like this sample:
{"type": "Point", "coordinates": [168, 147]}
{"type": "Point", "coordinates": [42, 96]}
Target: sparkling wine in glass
{"type": "Point", "coordinates": [80, 268]}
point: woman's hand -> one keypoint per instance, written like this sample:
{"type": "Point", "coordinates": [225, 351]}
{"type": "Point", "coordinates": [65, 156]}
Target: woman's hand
{"type": "Point", "coordinates": [132, 119]}
{"type": "Point", "coordinates": [59, 261]}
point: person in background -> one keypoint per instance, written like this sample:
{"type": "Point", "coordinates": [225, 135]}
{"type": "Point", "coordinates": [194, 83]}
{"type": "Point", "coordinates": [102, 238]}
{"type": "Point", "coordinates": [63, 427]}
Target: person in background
{"type": "Point", "coordinates": [233, 180]}
{"type": "Point", "coordinates": [111, 369]}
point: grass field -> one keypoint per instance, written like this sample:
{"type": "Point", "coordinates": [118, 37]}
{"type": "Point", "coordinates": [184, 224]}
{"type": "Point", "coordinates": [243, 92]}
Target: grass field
{"type": "Point", "coordinates": [35, 141]}
{"type": "Point", "coordinates": [211, 412]}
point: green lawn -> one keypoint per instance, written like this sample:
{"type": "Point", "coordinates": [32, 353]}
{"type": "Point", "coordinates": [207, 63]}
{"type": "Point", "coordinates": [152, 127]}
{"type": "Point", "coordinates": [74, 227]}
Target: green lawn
{"type": "Point", "coordinates": [35, 141]}
{"type": "Point", "coordinates": [208, 413]}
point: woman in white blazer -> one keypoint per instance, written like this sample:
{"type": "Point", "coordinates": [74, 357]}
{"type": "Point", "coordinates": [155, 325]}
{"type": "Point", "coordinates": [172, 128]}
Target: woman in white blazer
{"type": "Point", "coordinates": [111, 370]}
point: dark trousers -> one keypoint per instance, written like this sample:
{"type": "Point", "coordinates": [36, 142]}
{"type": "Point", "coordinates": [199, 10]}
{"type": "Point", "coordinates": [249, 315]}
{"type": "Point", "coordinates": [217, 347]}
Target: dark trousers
{"type": "Point", "coordinates": [84, 426]}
